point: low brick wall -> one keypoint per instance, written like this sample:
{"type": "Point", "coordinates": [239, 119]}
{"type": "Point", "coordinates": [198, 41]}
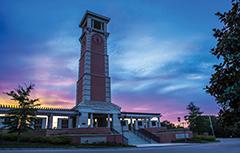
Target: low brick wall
{"type": "Point", "coordinates": [164, 135]}
{"type": "Point", "coordinates": [114, 139]}
{"type": "Point", "coordinates": [100, 130]}
{"type": "Point", "coordinates": [101, 135]}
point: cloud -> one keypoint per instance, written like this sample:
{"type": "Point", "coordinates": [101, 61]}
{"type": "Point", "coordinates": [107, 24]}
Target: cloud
{"type": "Point", "coordinates": [175, 87]}
{"type": "Point", "coordinates": [196, 77]}
{"type": "Point", "coordinates": [144, 55]}
{"type": "Point", "coordinates": [132, 85]}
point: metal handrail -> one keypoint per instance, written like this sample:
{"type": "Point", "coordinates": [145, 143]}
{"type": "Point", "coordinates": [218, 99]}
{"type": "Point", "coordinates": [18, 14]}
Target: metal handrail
{"type": "Point", "coordinates": [125, 140]}
{"type": "Point", "coordinates": [142, 136]}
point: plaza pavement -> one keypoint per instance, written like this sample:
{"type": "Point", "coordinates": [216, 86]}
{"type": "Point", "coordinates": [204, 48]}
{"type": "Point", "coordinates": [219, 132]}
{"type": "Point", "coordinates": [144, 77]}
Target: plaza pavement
{"type": "Point", "coordinates": [225, 146]}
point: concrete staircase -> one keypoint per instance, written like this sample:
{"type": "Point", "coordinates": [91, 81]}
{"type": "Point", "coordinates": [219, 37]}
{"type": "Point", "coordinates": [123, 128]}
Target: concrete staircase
{"type": "Point", "coordinates": [135, 139]}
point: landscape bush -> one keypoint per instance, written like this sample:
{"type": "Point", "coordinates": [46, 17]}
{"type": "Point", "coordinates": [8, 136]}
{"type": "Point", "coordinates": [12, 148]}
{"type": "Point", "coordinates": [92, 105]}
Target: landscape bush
{"type": "Point", "coordinates": [204, 138]}
{"type": "Point", "coordinates": [198, 139]}
{"type": "Point", "coordinates": [36, 139]}
{"type": "Point", "coordinates": [59, 140]}
{"type": "Point", "coordinates": [8, 137]}
{"type": "Point", "coordinates": [39, 139]}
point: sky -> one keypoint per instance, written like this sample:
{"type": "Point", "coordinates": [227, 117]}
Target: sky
{"type": "Point", "coordinates": [159, 51]}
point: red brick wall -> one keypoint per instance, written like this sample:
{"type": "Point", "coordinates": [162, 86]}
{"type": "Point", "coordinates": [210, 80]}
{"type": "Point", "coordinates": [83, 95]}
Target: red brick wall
{"type": "Point", "coordinates": [79, 90]}
{"type": "Point", "coordinates": [114, 138]}
{"type": "Point", "coordinates": [76, 133]}
{"type": "Point", "coordinates": [98, 130]}
{"type": "Point", "coordinates": [163, 135]}
{"type": "Point", "coordinates": [81, 70]}
{"type": "Point", "coordinates": [171, 135]}
{"type": "Point", "coordinates": [97, 64]}
{"type": "Point", "coordinates": [83, 45]}
{"type": "Point", "coordinates": [97, 88]}
{"type": "Point", "coordinates": [97, 44]}
{"type": "Point", "coordinates": [97, 68]}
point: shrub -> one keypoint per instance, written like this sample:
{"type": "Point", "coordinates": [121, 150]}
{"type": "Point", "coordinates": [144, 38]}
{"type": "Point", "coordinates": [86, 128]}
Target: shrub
{"type": "Point", "coordinates": [36, 139]}
{"type": "Point", "coordinates": [9, 137]}
{"type": "Point", "coordinates": [204, 138]}
{"type": "Point", "coordinates": [39, 139]}
{"type": "Point", "coordinates": [25, 138]}
{"type": "Point", "coordinates": [59, 140]}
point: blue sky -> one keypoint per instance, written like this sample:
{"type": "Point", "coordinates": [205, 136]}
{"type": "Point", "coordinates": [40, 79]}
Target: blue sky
{"type": "Point", "coordinates": [159, 51]}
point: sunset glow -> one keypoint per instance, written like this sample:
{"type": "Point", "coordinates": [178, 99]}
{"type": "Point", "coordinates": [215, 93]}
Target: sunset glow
{"type": "Point", "coordinates": [159, 57]}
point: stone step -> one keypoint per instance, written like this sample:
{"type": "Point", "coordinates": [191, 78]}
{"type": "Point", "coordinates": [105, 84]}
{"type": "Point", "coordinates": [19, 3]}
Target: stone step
{"type": "Point", "coordinates": [134, 139]}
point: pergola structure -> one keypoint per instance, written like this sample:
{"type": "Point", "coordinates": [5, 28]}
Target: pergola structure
{"type": "Point", "coordinates": [67, 118]}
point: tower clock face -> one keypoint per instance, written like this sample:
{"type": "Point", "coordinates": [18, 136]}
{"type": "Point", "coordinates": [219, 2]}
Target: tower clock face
{"type": "Point", "coordinates": [97, 39]}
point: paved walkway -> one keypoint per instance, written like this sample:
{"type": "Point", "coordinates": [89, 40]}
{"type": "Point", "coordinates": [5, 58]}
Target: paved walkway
{"type": "Point", "coordinates": [161, 145]}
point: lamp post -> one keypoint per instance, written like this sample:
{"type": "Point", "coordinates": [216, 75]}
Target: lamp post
{"type": "Point", "coordinates": [211, 125]}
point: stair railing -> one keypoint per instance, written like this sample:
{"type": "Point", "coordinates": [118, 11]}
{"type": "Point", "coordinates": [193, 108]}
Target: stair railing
{"type": "Point", "coordinates": [124, 139]}
{"type": "Point", "coordinates": [142, 136]}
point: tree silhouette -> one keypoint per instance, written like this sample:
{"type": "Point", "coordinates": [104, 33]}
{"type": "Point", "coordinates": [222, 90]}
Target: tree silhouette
{"type": "Point", "coordinates": [224, 84]}
{"type": "Point", "coordinates": [193, 118]}
{"type": "Point", "coordinates": [22, 118]}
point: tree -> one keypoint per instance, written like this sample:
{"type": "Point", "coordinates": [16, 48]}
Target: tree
{"type": "Point", "coordinates": [194, 118]}
{"type": "Point", "coordinates": [22, 118]}
{"type": "Point", "coordinates": [224, 84]}
{"type": "Point", "coordinates": [168, 124]}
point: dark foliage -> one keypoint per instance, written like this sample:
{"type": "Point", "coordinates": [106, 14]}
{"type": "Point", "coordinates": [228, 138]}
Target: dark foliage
{"type": "Point", "coordinates": [168, 124]}
{"type": "Point", "coordinates": [197, 123]}
{"type": "Point", "coordinates": [224, 84]}
{"type": "Point", "coordinates": [21, 118]}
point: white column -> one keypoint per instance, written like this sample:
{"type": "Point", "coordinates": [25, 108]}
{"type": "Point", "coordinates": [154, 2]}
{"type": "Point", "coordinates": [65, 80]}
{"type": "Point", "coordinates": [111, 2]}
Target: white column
{"type": "Point", "coordinates": [145, 122]}
{"type": "Point", "coordinates": [131, 123]}
{"type": "Point", "coordinates": [43, 125]}
{"type": "Point", "coordinates": [136, 124]}
{"type": "Point", "coordinates": [70, 122]}
{"type": "Point", "coordinates": [50, 120]}
{"type": "Point", "coordinates": [148, 122]}
{"type": "Point", "coordinates": [77, 122]}
{"type": "Point", "coordinates": [109, 124]}
{"type": "Point", "coordinates": [59, 123]}
{"type": "Point", "coordinates": [159, 124]}
{"type": "Point", "coordinates": [83, 120]}
{"type": "Point", "coordinates": [1, 122]}
{"type": "Point", "coordinates": [116, 123]}
{"type": "Point", "coordinates": [91, 120]}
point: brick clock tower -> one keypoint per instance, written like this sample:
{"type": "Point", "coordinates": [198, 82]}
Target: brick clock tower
{"type": "Point", "coordinates": [93, 86]}
{"type": "Point", "coordinates": [94, 80]}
